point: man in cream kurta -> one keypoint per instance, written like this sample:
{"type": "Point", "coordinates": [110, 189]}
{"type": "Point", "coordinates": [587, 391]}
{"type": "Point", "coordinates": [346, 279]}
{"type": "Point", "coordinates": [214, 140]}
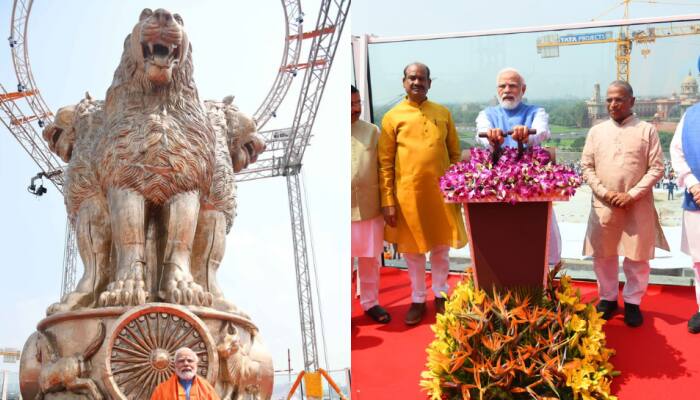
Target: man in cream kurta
{"type": "Point", "coordinates": [685, 157]}
{"type": "Point", "coordinates": [417, 144]}
{"type": "Point", "coordinates": [621, 162]}
{"type": "Point", "coordinates": [367, 228]}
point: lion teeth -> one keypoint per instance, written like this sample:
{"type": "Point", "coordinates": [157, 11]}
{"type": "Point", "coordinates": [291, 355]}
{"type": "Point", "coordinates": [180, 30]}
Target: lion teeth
{"type": "Point", "coordinates": [150, 47]}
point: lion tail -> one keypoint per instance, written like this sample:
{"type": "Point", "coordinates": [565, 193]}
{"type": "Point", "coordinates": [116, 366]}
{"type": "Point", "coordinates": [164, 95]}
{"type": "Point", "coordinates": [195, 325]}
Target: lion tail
{"type": "Point", "coordinates": [96, 344]}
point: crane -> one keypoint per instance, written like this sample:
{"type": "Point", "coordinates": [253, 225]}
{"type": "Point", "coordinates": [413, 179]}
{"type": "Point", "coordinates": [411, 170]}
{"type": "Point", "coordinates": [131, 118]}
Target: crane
{"type": "Point", "coordinates": [548, 45]}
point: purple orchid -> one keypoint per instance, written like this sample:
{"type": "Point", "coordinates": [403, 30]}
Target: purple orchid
{"type": "Point", "coordinates": [510, 180]}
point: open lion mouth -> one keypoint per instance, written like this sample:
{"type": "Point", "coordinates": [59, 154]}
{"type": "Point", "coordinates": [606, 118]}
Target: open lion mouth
{"type": "Point", "coordinates": [160, 54]}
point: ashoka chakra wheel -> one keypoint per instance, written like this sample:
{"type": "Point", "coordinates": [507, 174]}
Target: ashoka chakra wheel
{"type": "Point", "coordinates": [141, 349]}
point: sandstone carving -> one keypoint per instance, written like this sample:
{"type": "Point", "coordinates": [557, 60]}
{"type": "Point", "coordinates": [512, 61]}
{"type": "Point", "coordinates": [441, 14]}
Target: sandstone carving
{"type": "Point", "coordinates": [67, 373]}
{"type": "Point", "coordinates": [149, 184]}
{"type": "Point", "coordinates": [150, 190]}
{"type": "Point", "coordinates": [246, 371]}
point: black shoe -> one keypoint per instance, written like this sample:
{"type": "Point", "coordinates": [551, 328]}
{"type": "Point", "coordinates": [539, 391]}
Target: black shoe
{"type": "Point", "coordinates": [694, 323]}
{"type": "Point", "coordinates": [607, 307]}
{"type": "Point", "coordinates": [378, 314]}
{"type": "Point", "coordinates": [439, 305]}
{"type": "Point", "coordinates": [415, 314]}
{"type": "Point", "coordinates": [633, 315]}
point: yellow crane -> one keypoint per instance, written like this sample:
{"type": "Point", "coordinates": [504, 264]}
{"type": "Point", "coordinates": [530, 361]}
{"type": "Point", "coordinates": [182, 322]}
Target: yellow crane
{"type": "Point", "coordinates": [314, 385]}
{"type": "Point", "coordinates": [548, 45]}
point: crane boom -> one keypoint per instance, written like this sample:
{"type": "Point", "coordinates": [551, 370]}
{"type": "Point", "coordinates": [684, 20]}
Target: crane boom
{"type": "Point", "coordinates": [548, 46]}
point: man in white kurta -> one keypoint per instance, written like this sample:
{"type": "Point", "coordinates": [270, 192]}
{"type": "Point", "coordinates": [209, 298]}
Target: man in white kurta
{"type": "Point", "coordinates": [511, 114]}
{"type": "Point", "coordinates": [621, 162]}
{"type": "Point", "coordinates": [685, 158]}
{"type": "Point", "coordinates": [367, 227]}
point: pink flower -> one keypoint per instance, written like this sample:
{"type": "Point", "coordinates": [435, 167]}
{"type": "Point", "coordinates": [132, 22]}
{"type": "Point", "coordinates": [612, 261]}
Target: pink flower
{"type": "Point", "coordinates": [510, 179]}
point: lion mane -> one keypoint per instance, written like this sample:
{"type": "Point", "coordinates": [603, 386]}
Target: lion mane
{"type": "Point", "coordinates": [156, 139]}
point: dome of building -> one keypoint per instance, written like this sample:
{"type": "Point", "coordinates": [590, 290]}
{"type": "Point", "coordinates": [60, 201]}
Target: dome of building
{"type": "Point", "coordinates": [689, 87]}
{"type": "Point", "coordinates": [690, 80]}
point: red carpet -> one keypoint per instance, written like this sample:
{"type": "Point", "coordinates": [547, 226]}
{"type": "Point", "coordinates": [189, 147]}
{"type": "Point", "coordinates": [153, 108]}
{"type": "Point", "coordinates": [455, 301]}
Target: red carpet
{"type": "Point", "coordinates": [659, 360]}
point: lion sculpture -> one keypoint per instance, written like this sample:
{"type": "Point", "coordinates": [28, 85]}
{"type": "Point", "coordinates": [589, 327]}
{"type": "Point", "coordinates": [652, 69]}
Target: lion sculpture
{"type": "Point", "coordinates": [149, 186]}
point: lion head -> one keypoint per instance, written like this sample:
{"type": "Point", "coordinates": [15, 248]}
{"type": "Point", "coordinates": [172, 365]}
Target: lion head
{"type": "Point", "coordinates": [159, 44]}
{"type": "Point", "coordinates": [157, 58]}
{"type": "Point", "coordinates": [60, 134]}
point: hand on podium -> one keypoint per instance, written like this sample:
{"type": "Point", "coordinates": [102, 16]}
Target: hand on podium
{"type": "Point", "coordinates": [520, 134]}
{"type": "Point", "coordinates": [495, 137]}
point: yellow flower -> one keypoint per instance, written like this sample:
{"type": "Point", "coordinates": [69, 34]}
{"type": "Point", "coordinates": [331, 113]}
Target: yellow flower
{"type": "Point", "coordinates": [577, 324]}
{"type": "Point", "coordinates": [567, 298]}
{"type": "Point", "coordinates": [589, 347]}
{"type": "Point", "coordinates": [503, 341]}
{"type": "Point", "coordinates": [431, 384]}
{"type": "Point", "coordinates": [478, 297]}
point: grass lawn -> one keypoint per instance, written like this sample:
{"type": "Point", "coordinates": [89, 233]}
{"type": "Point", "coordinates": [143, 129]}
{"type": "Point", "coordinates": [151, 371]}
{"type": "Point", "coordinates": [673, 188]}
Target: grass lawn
{"type": "Point", "coordinates": [564, 129]}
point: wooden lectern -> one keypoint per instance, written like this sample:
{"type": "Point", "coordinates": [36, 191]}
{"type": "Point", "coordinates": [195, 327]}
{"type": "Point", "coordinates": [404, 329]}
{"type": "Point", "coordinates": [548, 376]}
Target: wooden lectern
{"type": "Point", "coordinates": [509, 242]}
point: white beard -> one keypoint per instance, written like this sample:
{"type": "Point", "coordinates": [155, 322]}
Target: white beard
{"type": "Point", "coordinates": [186, 375]}
{"type": "Point", "coordinates": [509, 104]}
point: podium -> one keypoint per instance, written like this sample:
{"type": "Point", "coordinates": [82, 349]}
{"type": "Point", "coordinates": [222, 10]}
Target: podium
{"type": "Point", "coordinates": [509, 242]}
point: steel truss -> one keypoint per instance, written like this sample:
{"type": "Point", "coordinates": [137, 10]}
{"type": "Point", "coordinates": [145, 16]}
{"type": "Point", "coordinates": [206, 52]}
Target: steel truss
{"type": "Point", "coordinates": [301, 266]}
{"type": "Point", "coordinates": [35, 145]}
{"type": "Point", "coordinates": [294, 18]}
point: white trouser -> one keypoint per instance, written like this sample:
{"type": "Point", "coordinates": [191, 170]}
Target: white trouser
{"type": "Point", "coordinates": [696, 267]}
{"type": "Point", "coordinates": [368, 281]}
{"type": "Point", "coordinates": [439, 266]}
{"type": "Point", "coordinates": [636, 272]}
{"type": "Point", "coordinates": [554, 255]}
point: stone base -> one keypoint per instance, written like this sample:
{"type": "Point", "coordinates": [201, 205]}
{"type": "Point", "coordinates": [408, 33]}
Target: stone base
{"type": "Point", "coordinates": [125, 352]}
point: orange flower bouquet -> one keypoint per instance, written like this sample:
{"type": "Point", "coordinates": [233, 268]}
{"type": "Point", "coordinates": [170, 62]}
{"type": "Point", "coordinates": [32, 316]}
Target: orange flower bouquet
{"type": "Point", "coordinates": [518, 345]}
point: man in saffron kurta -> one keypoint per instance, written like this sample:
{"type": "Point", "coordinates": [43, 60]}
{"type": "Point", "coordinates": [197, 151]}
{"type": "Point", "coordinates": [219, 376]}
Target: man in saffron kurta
{"type": "Point", "coordinates": [511, 114]}
{"type": "Point", "coordinates": [184, 383]}
{"type": "Point", "coordinates": [685, 156]}
{"type": "Point", "coordinates": [417, 144]}
{"type": "Point", "coordinates": [621, 162]}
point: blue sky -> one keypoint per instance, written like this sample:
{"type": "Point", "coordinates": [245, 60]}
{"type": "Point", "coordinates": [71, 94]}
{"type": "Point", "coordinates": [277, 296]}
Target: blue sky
{"type": "Point", "coordinates": [74, 47]}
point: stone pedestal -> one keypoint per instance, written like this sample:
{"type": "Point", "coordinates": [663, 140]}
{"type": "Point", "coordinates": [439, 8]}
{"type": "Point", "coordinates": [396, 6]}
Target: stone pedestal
{"type": "Point", "coordinates": [125, 352]}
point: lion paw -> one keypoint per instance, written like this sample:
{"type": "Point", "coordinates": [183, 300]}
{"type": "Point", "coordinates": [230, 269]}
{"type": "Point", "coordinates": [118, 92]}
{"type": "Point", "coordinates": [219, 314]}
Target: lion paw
{"type": "Point", "coordinates": [186, 293]}
{"type": "Point", "coordinates": [128, 292]}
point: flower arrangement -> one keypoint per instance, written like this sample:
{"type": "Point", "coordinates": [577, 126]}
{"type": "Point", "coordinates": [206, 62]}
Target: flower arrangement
{"type": "Point", "coordinates": [512, 178]}
{"type": "Point", "coordinates": [516, 345]}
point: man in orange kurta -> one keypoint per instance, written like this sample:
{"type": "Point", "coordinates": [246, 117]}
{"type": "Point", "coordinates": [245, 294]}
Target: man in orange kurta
{"type": "Point", "coordinates": [621, 162]}
{"type": "Point", "coordinates": [417, 144]}
{"type": "Point", "coordinates": [184, 383]}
